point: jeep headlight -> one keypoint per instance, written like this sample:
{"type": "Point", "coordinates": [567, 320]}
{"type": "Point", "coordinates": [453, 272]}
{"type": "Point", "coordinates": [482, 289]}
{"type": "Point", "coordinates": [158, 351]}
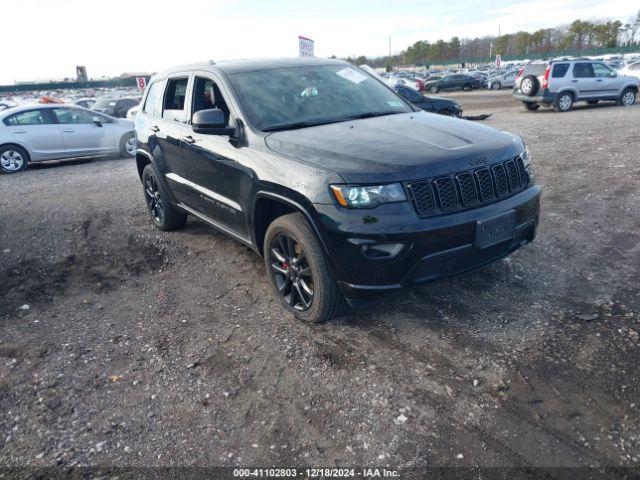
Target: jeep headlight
{"type": "Point", "coordinates": [368, 196]}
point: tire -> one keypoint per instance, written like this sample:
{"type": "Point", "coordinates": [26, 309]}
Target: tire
{"type": "Point", "coordinates": [467, 87]}
{"type": "Point", "coordinates": [627, 98]}
{"type": "Point", "coordinates": [529, 85]}
{"type": "Point", "coordinates": [13, 159]}
{"type": "Point", "coordinates": [433, 89]}
{"type": "Point", "coordinates": [128, 145]}
{"type": "Point", "coordinates": [296, 266]}
{"type": "Point", "coordinates": [593, 102]}
{"type": "Point", "coordinates": [164, 215]}
{"type": "Point", "coordinates": [563, 102]}
{"type": "Point", "coordinates": [531, 106]}
{"type": "Point", "coordinates": [496, 86]}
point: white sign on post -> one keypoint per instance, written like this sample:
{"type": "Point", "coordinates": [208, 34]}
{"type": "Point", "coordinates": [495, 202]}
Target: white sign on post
{"type": "Point", "coordinates": [305, 46]}
{"type": "Point", "coordinates": [141, 82]}
{"type": "Point", "coordinates": [498, 60]}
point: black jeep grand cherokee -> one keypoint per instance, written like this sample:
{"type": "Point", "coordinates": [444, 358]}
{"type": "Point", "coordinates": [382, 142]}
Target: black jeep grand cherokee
{"type": "Point", "coordinates": [344, 187]}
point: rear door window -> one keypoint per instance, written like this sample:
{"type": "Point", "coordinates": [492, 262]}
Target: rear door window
{"type": "Point", "coordinates": [583, 70]}
{"type": "Point", "coordinates": [31, 117]}
{"type": "Point", "coordinates": [559, 70]}
{"type": "Point", "coordinates": [175, 99]}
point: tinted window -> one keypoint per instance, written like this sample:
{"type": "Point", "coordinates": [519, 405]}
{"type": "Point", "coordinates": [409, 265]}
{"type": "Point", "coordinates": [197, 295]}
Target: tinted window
{"type": "Point", "coordinates": [583, 70]}
{"type": "Point", "coordinates": [601, 70]}
{"type": "Point", "coordinates": [32, 117]}
{"type": "Point", "coordinates": [176, 94]}
{"type": "Point", "coordinates": [635, 66]}
{"type": "Point", "coordinates": [559, 70]}
{"type": "Point", "coordinates": [152, 103]}
{"type": "Point", "coordinates": [206, 94]}
{"type": "Point", "coordinates": [324, 94]}
{"type": "Point", "coordinates": [73, 115]}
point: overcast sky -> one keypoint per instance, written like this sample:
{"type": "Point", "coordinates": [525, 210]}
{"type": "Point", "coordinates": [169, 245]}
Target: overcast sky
{"type": "Point", "coordinates": [44, 39]}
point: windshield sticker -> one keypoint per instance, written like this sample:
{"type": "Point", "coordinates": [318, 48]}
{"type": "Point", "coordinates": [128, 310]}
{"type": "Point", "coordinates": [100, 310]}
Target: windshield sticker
{"type": "Point", "coordinates": [352, 75]}
{"type": "Point", "coordinates": [394, 103]}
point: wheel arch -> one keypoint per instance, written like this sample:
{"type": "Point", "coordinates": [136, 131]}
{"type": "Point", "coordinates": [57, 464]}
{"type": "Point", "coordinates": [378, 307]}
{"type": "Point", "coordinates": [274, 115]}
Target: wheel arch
{"type": "Point", "coordinates": [19, 145]}
{"type": "Point", "coordinates": [142, 160]}
{"type": "Point", "coordinates": [267, 206]}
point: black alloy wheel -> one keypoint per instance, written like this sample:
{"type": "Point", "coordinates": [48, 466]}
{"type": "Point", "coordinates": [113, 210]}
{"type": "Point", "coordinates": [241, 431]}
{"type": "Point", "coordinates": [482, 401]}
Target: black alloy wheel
{"type": "Point", "coordinates": [291, 272]}
{"type": "Point", "coordinates": [153, 198]}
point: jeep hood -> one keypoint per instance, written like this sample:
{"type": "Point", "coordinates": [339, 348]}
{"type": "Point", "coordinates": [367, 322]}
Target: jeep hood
{"type": "Point", "coordinates": [398, 147]}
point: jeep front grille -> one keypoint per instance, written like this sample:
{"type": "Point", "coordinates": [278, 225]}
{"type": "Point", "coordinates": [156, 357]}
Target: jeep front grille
{"type": "Point", "coordinates": [462, 190]}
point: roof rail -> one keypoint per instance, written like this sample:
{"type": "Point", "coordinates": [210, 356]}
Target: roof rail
{"type": "Point", "coordinates": [189, 66]}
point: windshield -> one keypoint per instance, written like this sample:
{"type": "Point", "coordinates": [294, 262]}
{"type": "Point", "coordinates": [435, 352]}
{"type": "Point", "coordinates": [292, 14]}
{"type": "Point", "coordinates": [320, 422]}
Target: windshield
{"type": "Point", "coordinates": [297, 97]}
{"type": "Point", "coordinates": [105, 102]}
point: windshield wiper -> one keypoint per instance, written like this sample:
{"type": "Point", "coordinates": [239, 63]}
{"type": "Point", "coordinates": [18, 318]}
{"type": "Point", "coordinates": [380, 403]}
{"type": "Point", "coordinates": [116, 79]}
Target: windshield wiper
{"type": "Point", "coordinates": [294, 125]}
{"type": "Point", "coordinates": [358, 116]}
{"type": "Point", "coordinates": [305, 124]}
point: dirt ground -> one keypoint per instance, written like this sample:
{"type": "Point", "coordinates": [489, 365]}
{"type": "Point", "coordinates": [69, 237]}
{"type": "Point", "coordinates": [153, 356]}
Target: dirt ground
{"type": "Point", "coordinates": [124, 346]}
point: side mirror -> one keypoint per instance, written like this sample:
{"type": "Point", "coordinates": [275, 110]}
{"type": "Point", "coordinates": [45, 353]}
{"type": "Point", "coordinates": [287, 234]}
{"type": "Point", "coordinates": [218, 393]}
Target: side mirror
{"type": "Point", "coordinates": [97, 121]}
{"type": "Point", "coordinates": [211, 122]}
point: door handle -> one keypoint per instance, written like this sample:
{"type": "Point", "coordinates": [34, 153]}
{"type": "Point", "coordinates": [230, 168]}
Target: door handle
{"type": "Point", "coordinates": [599, 80]}
{"type": "Point", "coordinates": [574, 81]}
{"type": "Point", "coordinates": [68, 130]}
{"type": "Point", "coordinates": [189, 139]}
{"type": "Point", "coordinates": [155, 128]}
{"type": "Point", "coordinates": [18, 131]}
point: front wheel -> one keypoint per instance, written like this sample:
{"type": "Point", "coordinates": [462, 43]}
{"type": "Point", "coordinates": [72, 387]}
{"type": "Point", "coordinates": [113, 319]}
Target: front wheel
{"type": "Point", "coordinates": [466, 88]}
{"type": "Point", "coordinates": [627, 98]}
{"type": "Point", "coordinates": [128, 145]}
{"type": "Point", "coordinates": [299, 272]}
{"type": "Point", "coordinates": [433, 89]}
{"type": "Point", "coordinates": [496, 86]}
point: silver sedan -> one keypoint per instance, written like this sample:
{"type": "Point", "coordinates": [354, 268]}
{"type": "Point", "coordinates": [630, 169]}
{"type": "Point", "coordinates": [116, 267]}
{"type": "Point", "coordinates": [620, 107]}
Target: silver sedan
{"type": "Point", "coordinates": [35, 133]}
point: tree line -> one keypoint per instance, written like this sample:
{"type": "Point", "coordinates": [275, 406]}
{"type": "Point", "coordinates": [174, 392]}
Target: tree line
{"type": "Point", "coordinates": [579, 35]}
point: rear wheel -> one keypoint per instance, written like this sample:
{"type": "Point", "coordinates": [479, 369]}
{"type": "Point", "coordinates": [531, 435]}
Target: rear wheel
{"type": "Point", "coordinates": [496, 86]}
{"type": "Point", "coordinates": [563, 103]}
{"type": "Point", "coordinates": [164, 214]}
{"type": "Point", "coordinates": [627, 98]}
{"type": "Point", "coordinates": [466, 88]}
{"type": "Point", "coordinates": [299, 272]}
{"type": "Point", "coordinates": [13, 159]}
{"type": "Point", "coordinates": [433, 89]}
{"type": "Point", "coordinates": [531, 106]}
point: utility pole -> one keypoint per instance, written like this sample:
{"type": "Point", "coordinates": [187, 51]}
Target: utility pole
{"type": "Point", "coordinates": [389, 47]}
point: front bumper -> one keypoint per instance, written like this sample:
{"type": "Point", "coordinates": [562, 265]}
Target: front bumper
{"type": "Point", "coordinates": [431, 249]}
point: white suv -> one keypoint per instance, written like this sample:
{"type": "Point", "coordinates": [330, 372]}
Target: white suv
{"type": "Point", "coordinates": [561, 83]}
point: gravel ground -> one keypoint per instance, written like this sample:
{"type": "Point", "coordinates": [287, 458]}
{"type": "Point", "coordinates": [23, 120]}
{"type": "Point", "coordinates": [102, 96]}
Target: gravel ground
{"type": "Point", "coordinates": [124, 346]}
